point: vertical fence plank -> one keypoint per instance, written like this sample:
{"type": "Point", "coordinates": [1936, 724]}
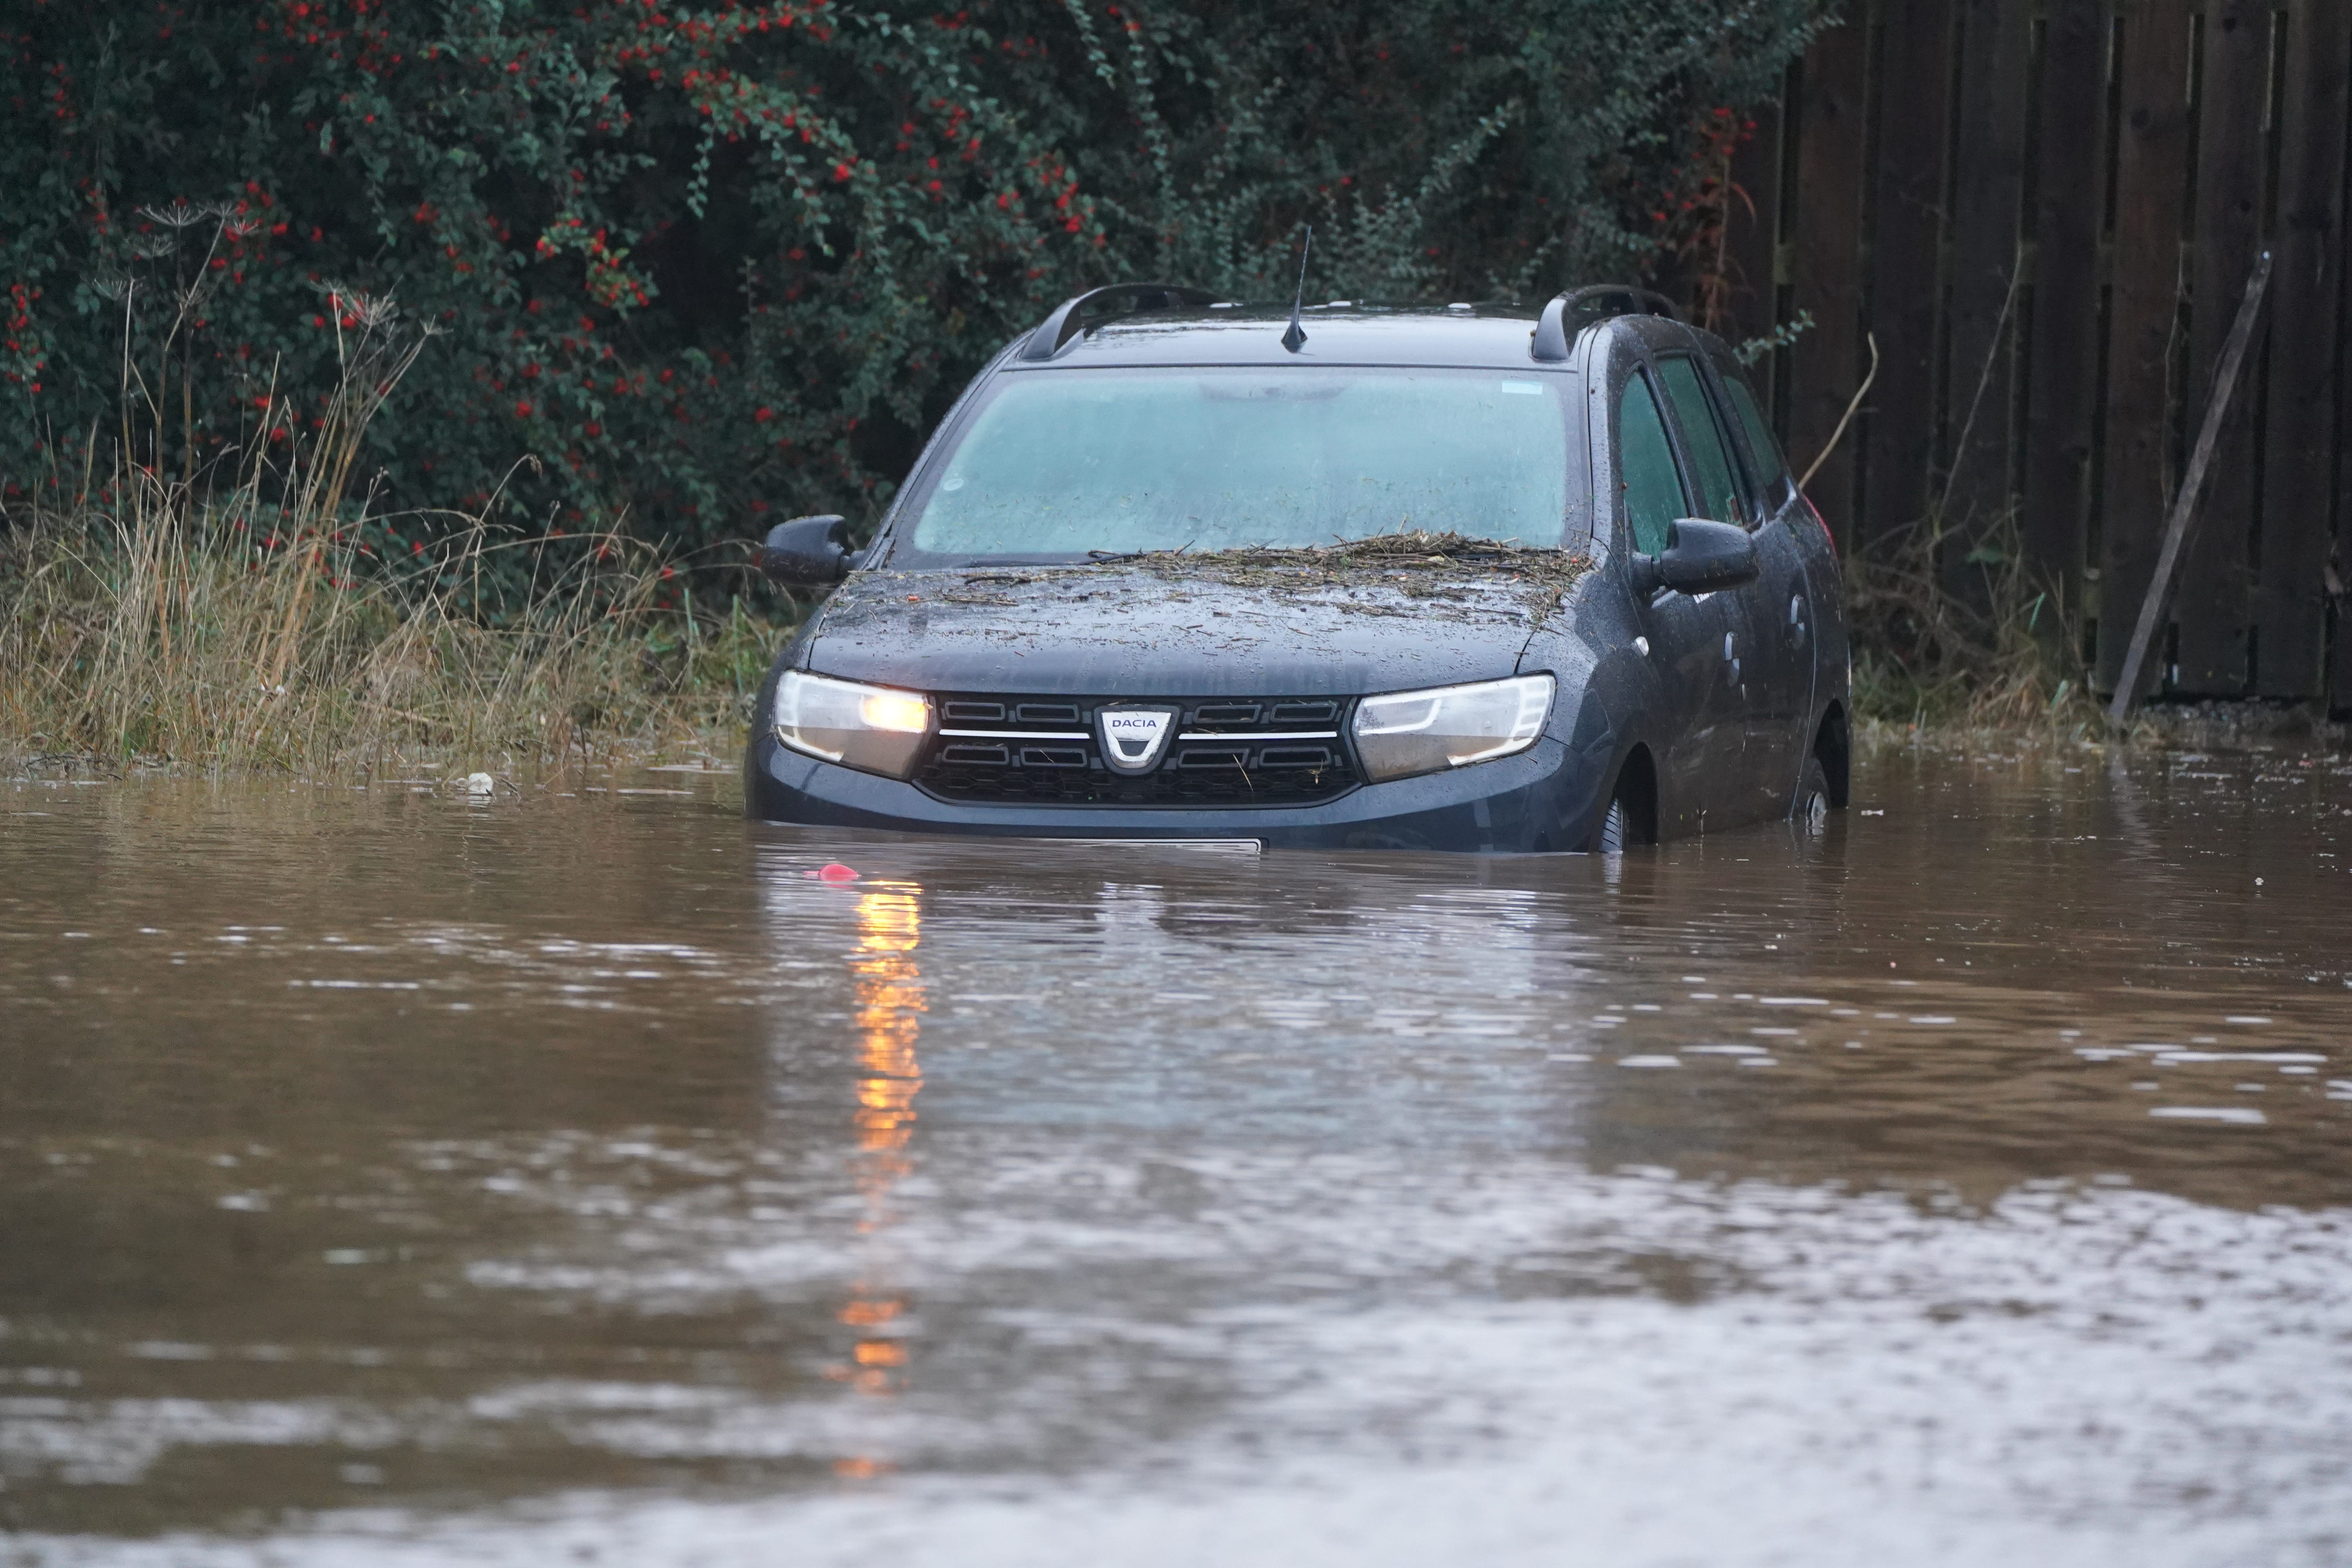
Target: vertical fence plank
{"type": "Point", "coordinates": [2151, 169]}
{"type": "Point", "coordinates": [1905, 294]}
{"type": "Point", "coordinates": [2290, 602]}
{"type": "Point", "coordinates": [2070, 205]}
{"type": "Point", "coordinates": [1988, 196]}
{"type": "Point", "coordinates": [2232, 171]}
{"type": "Point", "coordinates": [2339, 558]}
{"type": "Point", "coordinates": [1754, 226]}
{"type": "Point", "coordinates": [1824, 369]}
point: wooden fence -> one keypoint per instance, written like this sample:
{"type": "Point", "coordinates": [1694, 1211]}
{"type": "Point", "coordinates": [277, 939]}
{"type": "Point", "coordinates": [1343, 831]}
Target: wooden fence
{"type": "Point", "coordinates": [2044, 211]}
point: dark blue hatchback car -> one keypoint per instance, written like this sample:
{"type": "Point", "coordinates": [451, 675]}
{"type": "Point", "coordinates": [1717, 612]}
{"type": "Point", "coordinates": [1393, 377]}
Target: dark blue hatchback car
{"type": "Point", "coordinates": [1457, 578]}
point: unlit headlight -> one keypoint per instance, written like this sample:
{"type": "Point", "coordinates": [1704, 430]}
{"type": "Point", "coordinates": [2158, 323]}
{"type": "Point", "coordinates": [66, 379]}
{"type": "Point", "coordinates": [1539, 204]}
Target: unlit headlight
{"type": "Point", "coordinates": [1450, 726]}
{"type": "Point", "coordinates": [868, 727]}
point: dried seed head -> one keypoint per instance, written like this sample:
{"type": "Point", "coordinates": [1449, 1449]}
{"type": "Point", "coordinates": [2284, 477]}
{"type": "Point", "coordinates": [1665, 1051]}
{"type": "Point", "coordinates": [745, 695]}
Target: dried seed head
{"type": "Point", "coordinates": [372, 312]}
{"type": "Point", "coordinates": [181, 214]}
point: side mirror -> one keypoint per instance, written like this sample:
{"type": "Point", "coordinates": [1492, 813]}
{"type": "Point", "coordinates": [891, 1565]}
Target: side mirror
{"type": "Point", "coordinates": [1700, 557]}
{"type": "Point", "coordinates": [806, 552]}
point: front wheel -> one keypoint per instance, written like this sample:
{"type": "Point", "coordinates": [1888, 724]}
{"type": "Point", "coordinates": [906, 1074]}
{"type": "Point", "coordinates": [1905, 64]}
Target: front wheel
{"type": "Point", "coordinates": [1811, 811]}
{"type": "Point", "coordinates": [1610, 840]}
{"type": "Point", "coordinates": [1631, 816]}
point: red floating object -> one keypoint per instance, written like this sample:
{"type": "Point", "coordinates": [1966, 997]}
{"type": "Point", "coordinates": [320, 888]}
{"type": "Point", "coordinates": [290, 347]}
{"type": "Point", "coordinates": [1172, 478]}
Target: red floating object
{"type": "Point", "coordinates": [836, 872]}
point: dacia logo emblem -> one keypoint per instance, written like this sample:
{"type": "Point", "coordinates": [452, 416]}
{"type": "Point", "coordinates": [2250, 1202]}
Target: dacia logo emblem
{"type": "Point", "coordinates": [1133, 737]}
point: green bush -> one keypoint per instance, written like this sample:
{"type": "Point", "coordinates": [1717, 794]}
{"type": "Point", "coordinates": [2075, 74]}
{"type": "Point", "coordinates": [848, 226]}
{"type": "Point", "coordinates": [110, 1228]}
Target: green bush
{"type": "Point", "coordinates": [707, 267]}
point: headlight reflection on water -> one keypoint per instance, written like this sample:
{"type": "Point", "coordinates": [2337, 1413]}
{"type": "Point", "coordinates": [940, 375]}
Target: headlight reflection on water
{"type": "Point", "coordinates": [889, 1020]}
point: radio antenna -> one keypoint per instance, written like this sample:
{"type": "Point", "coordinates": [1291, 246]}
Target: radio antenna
{"type": "Point", "coordinates": [1293, 336]}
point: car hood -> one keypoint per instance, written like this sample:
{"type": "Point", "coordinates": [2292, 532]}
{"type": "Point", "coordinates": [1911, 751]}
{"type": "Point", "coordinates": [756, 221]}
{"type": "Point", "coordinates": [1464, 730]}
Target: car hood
{"type": "Point", "coordinates": [1186, 628]}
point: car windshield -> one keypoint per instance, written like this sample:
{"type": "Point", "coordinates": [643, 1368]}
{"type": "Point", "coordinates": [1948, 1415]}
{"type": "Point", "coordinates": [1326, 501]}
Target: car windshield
{"type": "Point", "coordinates": [1064, 463]}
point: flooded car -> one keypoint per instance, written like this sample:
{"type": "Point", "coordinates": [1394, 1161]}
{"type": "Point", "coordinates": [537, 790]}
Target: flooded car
{"type": "Point", "coordinates": [1463, 577]}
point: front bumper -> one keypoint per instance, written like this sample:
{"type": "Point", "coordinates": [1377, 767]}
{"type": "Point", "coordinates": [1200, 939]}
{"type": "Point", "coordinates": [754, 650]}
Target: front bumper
{"type": "Point", "coordinates": [1546, 798]}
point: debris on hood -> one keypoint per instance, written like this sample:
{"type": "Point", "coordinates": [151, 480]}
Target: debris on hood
{"type": "Point", "coordinates": [1491, 573]}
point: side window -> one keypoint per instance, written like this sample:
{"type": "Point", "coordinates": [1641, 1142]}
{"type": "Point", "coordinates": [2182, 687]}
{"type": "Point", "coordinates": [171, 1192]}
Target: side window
{"type": "Point", "coordinates": [1645, 467]}
{"type": "Point", "coordinates": [1771, 468]}
{"type": "Point", "coordinates": [1710, 453]}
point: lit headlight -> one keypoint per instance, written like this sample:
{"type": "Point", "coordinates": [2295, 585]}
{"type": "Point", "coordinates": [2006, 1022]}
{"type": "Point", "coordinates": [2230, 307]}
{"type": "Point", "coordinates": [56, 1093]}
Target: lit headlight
{"type": "Point", "coordinates": [1410, 733]}
{"type": "Point", "coordinates": [871, 728]}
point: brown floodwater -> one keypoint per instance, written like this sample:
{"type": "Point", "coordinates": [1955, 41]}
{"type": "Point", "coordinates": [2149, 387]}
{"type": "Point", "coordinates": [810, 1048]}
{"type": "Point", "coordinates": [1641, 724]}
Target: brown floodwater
{"type": "Point", "coordinates": [391, 1178]}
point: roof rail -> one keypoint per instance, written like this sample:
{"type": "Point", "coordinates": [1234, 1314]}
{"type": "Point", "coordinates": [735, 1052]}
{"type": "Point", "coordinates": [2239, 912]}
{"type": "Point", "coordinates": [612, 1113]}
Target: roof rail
{"type": "Point", "coordinates": [1571, 312]}
{"type": "Point", "coordinates": [1063, 323]}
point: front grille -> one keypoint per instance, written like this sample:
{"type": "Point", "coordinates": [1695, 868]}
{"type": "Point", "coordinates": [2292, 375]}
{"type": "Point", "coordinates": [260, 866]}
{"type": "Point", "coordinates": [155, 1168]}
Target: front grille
{"type": "Point", "coordinates": [1245, 752]}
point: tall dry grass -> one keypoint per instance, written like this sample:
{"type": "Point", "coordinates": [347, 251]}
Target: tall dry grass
{"type": "Point", "coordinates": [2003, 657]}
{"type": "Point", "coordinates": [239, 623]}
{"type": "Point", "coordinates": [1927, 659]}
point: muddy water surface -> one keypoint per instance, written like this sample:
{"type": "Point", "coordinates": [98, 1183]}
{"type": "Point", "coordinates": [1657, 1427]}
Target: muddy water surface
{"type": "Point", "coordinates": [389, 1179]}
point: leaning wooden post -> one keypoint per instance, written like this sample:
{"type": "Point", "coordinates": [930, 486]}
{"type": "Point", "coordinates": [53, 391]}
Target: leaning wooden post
{"type": "Point", "coordinates": [2184, 504]}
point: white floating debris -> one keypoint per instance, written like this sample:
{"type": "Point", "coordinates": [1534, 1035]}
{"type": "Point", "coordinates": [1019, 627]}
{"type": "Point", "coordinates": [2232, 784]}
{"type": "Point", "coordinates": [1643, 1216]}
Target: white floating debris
{"type": "Point", "coordinates": [2174, 1058]}
{"type": "Point", "coordinates": [1792, 1001]}
{"type": "Point", "coordinates": [1934, 1018]}
{"type": "Point", "coordinates": [1649, 1061]}
{"type": "Point", "coordinates": [2245, 1018]}
{"type": "Point", "coordinates": [2231, 1113]}
{"type": "Point", "coordinates": [481, 783]}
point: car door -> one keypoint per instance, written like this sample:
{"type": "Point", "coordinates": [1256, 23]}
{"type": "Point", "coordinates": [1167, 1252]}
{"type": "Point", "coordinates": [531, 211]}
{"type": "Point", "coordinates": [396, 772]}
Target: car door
{"type": "Point", "coordinates": [1763, 669]}
{"type": "Point", "coordinates": [1787, 538]}
{"type": "Point", "coordinates": [1700, 774]}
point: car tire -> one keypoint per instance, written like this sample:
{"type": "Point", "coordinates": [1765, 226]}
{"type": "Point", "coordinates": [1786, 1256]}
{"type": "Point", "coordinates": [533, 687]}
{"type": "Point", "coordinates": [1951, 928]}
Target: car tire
{"type": "Point", "coordinates": [1811, 810]}
{"type": "Point", "coordinates": [1624, 823]}
{"type": "Point", "coordinates": [1616, 823]}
